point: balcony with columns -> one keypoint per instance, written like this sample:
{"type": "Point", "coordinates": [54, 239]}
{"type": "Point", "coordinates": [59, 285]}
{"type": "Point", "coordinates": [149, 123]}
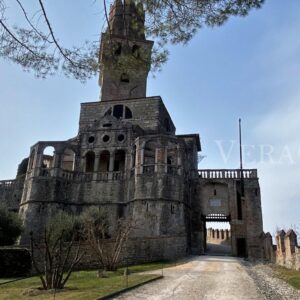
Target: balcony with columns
{"type": "Point", "coordinates": [65, 163]}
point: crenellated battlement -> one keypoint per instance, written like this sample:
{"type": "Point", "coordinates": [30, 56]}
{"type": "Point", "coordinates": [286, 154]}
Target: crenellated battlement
{"type": "Point", "coordinates": [286, 252]}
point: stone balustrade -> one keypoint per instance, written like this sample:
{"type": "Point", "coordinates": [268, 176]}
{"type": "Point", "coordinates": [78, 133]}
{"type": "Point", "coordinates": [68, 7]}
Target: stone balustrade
{"type": "Point", "coordinates": [227, 174]}
{"type": "Point", "coordinates": [81, 176]}
{"type": "Point", "coordinates": [7, 183]}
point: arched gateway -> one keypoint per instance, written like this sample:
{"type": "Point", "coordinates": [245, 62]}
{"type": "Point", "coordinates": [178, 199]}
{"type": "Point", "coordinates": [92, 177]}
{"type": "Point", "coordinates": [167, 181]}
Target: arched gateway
{"type": "Point", "coordinates": [226, 196]}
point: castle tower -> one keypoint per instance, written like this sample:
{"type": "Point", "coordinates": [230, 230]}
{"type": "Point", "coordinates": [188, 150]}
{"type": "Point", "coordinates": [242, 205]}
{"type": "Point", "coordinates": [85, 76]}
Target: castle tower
{"type": "Point", "coordinates": [125, 54]}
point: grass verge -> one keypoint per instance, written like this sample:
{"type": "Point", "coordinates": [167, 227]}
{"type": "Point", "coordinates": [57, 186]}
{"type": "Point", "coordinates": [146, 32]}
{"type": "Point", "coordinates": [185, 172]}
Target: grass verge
{"type": "Point", "coordinates": [84, 284]}
{"type": "Point", "coordinates": [292, 277]}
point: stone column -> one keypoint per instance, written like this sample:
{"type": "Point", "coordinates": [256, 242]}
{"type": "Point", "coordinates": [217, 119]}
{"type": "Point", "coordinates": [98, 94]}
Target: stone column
{"type": "Point", "coordinates": [96, 166]}
{"type": "Point", "coordinates": [139, 160]}
{"type": "Point", "coordinates": [38, 163]}
{"type": "Point", "coordinates": [179, 161]}
{"type": "Point", "coordinates": [56, 164]}
{"type": "Point", "coordinates": [160, 160]}
{"type": "Point", "coordinates": [111, 164]}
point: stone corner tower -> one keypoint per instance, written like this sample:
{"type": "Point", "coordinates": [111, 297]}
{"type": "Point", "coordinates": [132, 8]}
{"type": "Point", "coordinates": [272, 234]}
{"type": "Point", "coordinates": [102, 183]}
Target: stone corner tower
{"type": "Point", "coordinates": [125, 54]}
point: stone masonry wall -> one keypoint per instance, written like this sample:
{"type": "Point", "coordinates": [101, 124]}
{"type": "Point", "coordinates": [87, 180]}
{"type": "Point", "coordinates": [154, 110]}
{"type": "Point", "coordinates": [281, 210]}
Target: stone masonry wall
{"type": "Point", "coordinates": [148, 113]}
{"type": "Point", "coordinates": [136, 251]}
{"type": "Point", "coordinates": [11, 193]}
{"type": "Point", "coordinates": [285, 253]}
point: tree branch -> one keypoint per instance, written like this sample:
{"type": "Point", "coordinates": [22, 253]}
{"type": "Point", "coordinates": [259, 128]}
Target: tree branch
{"type": "Point", "coordinates": [53, 36]}
{"type": "Point", "coordinates": [16, 39]}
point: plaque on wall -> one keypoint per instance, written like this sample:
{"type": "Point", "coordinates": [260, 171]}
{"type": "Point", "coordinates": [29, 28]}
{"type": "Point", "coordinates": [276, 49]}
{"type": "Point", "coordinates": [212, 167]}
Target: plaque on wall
{"type": "Point", "coordinates": [215, 202]}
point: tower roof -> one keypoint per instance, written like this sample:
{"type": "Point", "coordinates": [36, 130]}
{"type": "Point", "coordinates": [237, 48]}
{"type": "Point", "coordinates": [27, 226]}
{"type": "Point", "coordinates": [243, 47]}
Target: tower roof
{"type": "Point", "coordinates": [127, 19]}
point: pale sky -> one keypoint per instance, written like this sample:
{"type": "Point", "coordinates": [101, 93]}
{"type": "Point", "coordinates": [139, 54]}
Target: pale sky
{"type": "Point", "coordinates": [249, 68]}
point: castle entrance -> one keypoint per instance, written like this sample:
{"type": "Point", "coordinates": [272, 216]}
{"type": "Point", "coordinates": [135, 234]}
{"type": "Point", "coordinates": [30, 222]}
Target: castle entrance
{"type": "Point", "coordinates": [217, 240]}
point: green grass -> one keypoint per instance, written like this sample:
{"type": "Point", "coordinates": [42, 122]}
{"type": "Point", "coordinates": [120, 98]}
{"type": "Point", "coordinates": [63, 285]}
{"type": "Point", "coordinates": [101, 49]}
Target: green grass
{"type": "Point", "coordinates": [292, 277]}
{"type": "Point", "coordinates": [152, 266]}
{"type": "Point", "coordinates": [82, 285]}
{"type": "Point", "coordinates": [3, 280]}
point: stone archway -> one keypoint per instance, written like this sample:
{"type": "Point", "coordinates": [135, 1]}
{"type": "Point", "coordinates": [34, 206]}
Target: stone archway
{"type": "Point", "coordinates": [217, 234]}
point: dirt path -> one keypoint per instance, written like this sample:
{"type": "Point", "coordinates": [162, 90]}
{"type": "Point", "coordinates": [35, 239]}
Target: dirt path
{"type": "Point", "coordinates": [203, 277]}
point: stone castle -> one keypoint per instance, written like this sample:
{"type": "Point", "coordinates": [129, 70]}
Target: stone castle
{"type": "Point", "coordinates": [128, 159]}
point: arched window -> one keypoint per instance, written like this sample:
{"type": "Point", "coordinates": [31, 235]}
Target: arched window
{"type": "Point", "coordinates": [89, 161]}
{"type": "Point", "coordinates": [118, 49]}
{"type": "Point", "coordinates": [108, 112]}
{"type": "Point", "coordinates": [68, 160]}
{"type": "Point", "coordinates": [48, 157]}
{"type": "Point", "coordinates": [172, 160]}
{"type": "Point", "coordinates": [104, 162]}
{"type": "Point", "coordinates": [128, 113]}
{"type": "Point", "coordinates": [119, 162]}
{"type": "Point", "coordinates": [135, 51]}
{"type": "Point", "coordinates": [118, 111]}
{"type": "Point", "coordinates": [167, 125]}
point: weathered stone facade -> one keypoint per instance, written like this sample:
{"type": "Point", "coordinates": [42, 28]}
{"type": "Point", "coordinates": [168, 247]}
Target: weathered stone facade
{"type": "Point", "coordinates": [128, 159]}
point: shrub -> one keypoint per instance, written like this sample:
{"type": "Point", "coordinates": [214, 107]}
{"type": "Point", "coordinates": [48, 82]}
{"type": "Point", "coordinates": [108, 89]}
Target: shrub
{"type": "Point", "coordinates": [60, 250]}
{"type": "Point", "coordinates": [10, 226]}
{"type": "Point", "coordinates": [14, 262]}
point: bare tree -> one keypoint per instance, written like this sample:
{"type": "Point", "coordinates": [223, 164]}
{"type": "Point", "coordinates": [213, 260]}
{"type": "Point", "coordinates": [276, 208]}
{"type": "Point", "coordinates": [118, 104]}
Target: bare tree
{"type": "Point", "coordinates": [57, 251]}
{"type": "Point", "coordinates": [107, 247]}
{"type": "Point", "coordinates": [36, 47]}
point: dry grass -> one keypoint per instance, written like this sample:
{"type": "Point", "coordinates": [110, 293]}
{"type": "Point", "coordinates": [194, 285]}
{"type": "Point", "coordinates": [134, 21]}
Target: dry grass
{"type": "Point", "coordinates": [290, 276]}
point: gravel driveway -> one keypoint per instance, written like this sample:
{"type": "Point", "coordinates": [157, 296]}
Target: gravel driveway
{"type": "Point", "coordinates": [202, 277]}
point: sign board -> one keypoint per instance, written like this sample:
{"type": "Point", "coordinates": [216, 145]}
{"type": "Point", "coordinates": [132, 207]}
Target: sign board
{"type": "Point", "coordinates": [215, 202]}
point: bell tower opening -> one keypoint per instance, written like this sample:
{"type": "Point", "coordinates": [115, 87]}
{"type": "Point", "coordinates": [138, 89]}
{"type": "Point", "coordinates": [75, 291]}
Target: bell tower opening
{"type": "Point", "coordinates": [125, 54]}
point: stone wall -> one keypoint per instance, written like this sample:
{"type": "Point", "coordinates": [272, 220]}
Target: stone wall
{"type": "Point", "coordinates": [217, 236]}
{"type": "Point", "coordinates": [285, 253]}
{"type": "Point", "coordinates": [148, 113]}
{"type": "Point", "coordinates": [218, 193]}
{"type": "Point", "coordinates": [11, 193]}
{"type": "Point", "coordinates": [136, 251]}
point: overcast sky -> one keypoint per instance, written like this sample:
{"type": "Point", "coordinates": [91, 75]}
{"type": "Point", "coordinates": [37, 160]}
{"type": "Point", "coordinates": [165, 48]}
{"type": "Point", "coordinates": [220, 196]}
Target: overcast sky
{"type": "Point", "coordinates": [249, 68]}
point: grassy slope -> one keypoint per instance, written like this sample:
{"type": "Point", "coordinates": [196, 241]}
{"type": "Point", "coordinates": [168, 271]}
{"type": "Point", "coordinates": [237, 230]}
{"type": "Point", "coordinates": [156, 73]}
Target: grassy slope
{"type": "Point", "coordinates": [82, 285]}
{"type": "Point", "coordinates": [290, 276]}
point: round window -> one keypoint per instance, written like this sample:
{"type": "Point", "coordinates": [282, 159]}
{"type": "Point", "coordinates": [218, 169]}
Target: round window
{"type": "Point", "coordinates": [91, 139]}
{"type": "Point", "coordinates": [105, 138]}
{"type": "Point", "coordinates": [121, 137]}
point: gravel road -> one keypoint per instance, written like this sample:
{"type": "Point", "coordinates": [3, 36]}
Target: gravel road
{"type": "Point", "coordinates": [202, 277]}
